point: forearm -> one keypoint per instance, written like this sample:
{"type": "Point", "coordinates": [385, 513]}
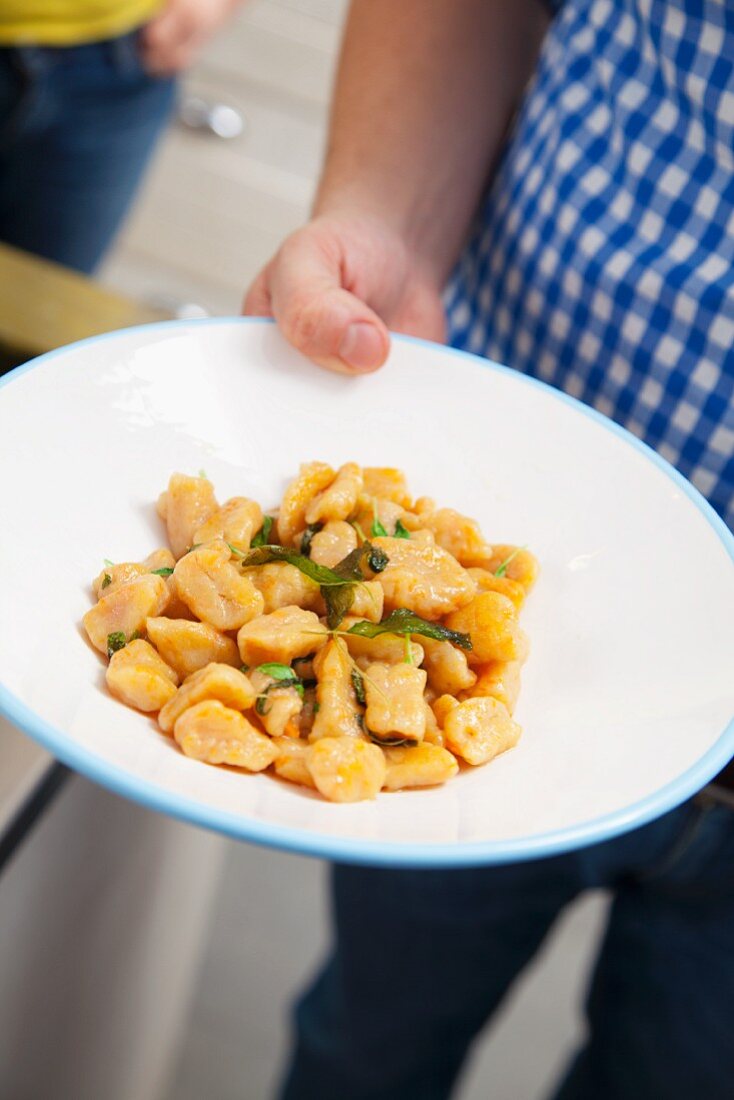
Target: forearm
{"type": "Point", "coordinates": [424, 92]}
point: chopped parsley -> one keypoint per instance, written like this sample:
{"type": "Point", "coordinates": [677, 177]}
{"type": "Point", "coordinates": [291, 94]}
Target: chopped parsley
{"type": "Point", "coordinates": [115, 641]}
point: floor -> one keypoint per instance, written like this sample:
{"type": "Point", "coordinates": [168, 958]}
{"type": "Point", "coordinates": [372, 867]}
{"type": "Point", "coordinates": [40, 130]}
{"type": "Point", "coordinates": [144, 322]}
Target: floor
{"type": "Point", "coordinates": [269, 932]}
{"type": "Point", "coordinates": [194, 247]}
{"type": "Point", "coordinates": [213, 210]}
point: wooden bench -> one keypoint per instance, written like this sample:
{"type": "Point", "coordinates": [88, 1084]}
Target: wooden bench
{"type": "Point", "coordinates": [44, 305]}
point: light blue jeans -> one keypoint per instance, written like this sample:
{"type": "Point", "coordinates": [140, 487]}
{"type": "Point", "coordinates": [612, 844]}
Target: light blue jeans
{"type": "Point", "coordinates": [423, 958]}
{"type": "Point", "coordinates": [77, 126]}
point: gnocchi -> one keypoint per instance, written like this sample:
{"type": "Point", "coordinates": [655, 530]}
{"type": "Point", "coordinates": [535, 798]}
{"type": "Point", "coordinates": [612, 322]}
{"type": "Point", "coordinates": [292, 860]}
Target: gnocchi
{"type": "Point", "coordinates": [353, 640]}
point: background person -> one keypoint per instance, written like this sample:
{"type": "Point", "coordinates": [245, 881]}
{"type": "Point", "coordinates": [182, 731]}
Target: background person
{"type": "Point", "coordinates": [86, 87]}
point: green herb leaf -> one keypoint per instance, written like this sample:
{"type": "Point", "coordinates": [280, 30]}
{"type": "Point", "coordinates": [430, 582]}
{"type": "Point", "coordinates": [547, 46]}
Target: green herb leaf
{"type": "Point", "coordinates": [408, 654]}
{"type": "Point", "coordinates": [107, 579]}
{"type": "Point", "coordinates": [283, 675]}
{"type": "Point", "coordinates": [316, 708]}
{"type": "Point", "coordinates": [262, 536]}
{"type": "Point", "coordinates": [358, 685]}
{"type": "Point", "coordinates": [401, 531]}
{"type": "Point", "coordinates": [136, 634]}
{"type": "Point", "coordinates": [115, 641]}
{"type": "Point", "coordinates": [377, 530]}
{"type": "Point", "coordinates": [165, 572]}
{"type": "Point", "coordinates": [307, 537]}
{"type": "Point", "coordinates": [203, 473]}
{"type": "Point", "coordinates": [277, 671]}
{"type": "Point", "coordinates": [107, 561]}
{"type": "Point", "coordinates": [279, 683]}
{"type": "Point", "coordinates": [244, 668]}
{"type": "Point", "coordinates": [502, 569]}
{"type": "Point", "coordinates": [404, 621]}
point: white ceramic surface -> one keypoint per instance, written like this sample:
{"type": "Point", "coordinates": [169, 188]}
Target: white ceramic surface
{"type": "Point", "coordinates": [627, 699]}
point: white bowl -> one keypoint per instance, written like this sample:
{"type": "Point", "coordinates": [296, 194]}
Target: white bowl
{"type": "Point", "coordinates": [628, 696]}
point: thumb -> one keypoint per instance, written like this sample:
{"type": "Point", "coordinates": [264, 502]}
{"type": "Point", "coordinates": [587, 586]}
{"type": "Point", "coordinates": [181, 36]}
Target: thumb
{"type": "Point", "coordinates": [317, 315]}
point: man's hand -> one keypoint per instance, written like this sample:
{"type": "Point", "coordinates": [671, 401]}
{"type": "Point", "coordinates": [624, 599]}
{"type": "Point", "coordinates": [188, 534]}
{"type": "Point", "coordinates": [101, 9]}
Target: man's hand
{"type": "Point", "coordinates": [423, 97]}
{"type": "Point", "coordinates": [335, 287]}
{"type": "Point", "coordinates": [170, 42]}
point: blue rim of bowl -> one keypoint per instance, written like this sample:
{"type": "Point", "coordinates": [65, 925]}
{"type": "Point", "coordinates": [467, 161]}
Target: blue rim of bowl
{"type": "Point", "coordinates": [385, 853]}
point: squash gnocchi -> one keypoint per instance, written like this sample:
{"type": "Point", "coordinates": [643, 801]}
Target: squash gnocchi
{"type": "Point", "coordinates": [353, 640]}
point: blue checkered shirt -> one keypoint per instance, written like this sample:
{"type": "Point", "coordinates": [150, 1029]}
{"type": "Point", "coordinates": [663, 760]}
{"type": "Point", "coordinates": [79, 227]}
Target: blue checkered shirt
{"type": "Point", "coordinates": [603, 258]}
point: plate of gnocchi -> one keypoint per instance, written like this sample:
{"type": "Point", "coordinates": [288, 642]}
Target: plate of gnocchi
{"type": "Point", "coordinates": [438, 616]}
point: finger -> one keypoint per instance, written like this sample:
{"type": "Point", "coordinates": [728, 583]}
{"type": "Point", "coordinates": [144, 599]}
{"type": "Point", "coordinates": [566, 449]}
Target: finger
{"type": "Point", "coordinates": [173, 61]}
{"type": "Point", "coordinates": [164, 31]}
{"type": "Point", "coordinates": [257, 300]}
{"type": "Point", "coordinates": [317, 315]}
{"type": "Point", "coordinates": [168, 44]}
{"type": "Point", "coordinates": [171, 58]}
{"type": "Point", "coordinates": [335, 330]}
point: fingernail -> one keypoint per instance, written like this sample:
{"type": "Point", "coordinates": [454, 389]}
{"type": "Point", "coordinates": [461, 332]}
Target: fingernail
{"type": "Point", "coordinates": [361, 347]}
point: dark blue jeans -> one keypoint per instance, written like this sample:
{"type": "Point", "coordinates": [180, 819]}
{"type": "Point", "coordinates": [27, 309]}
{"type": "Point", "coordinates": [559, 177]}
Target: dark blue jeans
{"type": "Point", "coordinates": [423, 958]}
{"type": "Point", "coordinates": [77, 126]}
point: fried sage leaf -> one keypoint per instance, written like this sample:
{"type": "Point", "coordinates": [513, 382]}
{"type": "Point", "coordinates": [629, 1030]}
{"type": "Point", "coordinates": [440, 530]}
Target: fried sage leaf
{"type": "Point", "coordinates": [339, 600]}
{"type": "Point", "coordinates": [337, 584]}
{"type": "Point", "coordinates": [358, 685]}
{"type": "Point", "coordinates": [338, 603]}
{"type": "Point", "coordinates": [351, 567]}
{"type": "Point", "coordinates": [388, 742]}
{"type": "Point", "coordinates": [405, 621]}
{"type": "Point", "coordinates": [264, 555]}
{"type": "Point", "coordinates": [401, 531]}
{"type": "Point", "coordinates": [307, 537]}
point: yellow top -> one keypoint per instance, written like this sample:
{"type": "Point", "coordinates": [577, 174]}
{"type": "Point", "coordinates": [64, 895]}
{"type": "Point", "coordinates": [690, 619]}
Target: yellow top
{"type": "Point", "coordinates": [70, 22]}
